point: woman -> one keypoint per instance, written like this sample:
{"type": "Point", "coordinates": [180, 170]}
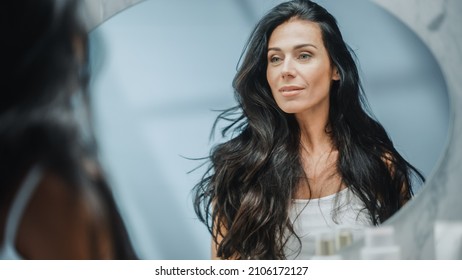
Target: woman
{"type": "Point", "coordinates": [54, 201]}
{"type": "Point", "coordinates": [306, 157]}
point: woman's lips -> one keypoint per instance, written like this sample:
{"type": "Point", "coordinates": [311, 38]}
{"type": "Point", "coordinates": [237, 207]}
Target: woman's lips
{"type": "Point", "coordinates": [288, 91]}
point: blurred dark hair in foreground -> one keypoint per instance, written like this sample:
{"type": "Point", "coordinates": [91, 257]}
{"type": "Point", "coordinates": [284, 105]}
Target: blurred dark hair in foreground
{"type": "Point", "coordinates": [54, 200]}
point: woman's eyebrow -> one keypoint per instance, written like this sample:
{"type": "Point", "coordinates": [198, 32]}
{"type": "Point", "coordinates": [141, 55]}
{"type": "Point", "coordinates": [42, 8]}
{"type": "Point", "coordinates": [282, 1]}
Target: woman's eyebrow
{"type": "Point", "coordinates": [304, 45]}
{"type": "Point", "coordinates": [295, 48]}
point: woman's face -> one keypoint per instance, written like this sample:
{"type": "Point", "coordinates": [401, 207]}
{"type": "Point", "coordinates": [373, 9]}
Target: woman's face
{"type": "Point", "coordinates": [299, 70]}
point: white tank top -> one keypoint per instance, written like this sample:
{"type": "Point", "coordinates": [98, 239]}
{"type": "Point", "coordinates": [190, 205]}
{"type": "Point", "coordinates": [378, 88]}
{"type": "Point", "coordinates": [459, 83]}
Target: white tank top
{"type": "Point", "coordinates": [14, 215]}
{"type": "Point", "coordinates": [329, 213]}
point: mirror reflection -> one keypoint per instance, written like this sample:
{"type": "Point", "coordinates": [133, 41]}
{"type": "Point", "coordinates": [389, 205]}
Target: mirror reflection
{"type": "Point", "coordinates": [162, 67]}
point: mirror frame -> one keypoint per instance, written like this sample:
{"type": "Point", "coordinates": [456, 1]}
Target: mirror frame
{"type": "Point", "coordinates": [437, 23]}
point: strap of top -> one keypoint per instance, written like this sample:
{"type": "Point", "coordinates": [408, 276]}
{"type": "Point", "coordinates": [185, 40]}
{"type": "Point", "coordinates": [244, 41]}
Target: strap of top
{"type": "Point", "coordinates": [19, 205]}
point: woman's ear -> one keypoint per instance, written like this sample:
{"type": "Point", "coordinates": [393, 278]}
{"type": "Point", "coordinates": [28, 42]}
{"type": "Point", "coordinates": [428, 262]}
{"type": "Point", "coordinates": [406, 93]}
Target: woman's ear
{"type": "Point", "coordinates": [335, 74]}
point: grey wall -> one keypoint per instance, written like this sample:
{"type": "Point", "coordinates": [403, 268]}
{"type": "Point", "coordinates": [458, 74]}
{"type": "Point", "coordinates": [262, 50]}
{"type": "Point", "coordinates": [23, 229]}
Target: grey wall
{"type": "Point", "coordinates": [162, 66]}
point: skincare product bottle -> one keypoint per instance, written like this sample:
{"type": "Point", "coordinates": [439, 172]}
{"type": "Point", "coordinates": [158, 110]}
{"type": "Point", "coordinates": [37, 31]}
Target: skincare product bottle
{"type": "Point", "coordinates": [379, 244]}
{"type": "Point", "coordinates": [343, 238]}
{"type": "Point", "coordinates": [325, 247]}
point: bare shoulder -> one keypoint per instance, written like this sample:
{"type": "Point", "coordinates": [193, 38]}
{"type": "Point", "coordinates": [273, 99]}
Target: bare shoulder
{"type": "Point", "coordinates": [64, 222]}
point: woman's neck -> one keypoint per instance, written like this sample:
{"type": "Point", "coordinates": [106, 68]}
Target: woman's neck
{"type": "Point", "coordinates": [319, 157]}
{"type": "Point", "coordinates": [314, 138]}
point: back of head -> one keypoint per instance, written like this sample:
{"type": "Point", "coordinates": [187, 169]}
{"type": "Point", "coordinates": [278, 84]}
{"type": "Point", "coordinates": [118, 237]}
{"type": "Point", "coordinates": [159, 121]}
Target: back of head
{"type": "Point", "coordinates": [44, 64]}
{"type": "Point", "coordinates": [43, 52]}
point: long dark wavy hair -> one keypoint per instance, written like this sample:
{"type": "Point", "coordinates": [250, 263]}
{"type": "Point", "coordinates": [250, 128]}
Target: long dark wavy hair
{"type": "Point", "coordinates": [245, 195]}
{"type": "Point", "coordinates": [44, 73]}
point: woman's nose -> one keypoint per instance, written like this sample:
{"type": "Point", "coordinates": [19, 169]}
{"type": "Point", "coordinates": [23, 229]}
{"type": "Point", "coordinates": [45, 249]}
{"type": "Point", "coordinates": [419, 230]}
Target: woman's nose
{"type": "Point", "coordinates": [288, 69]}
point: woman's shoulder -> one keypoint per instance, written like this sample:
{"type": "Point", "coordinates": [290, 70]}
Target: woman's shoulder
{"type": "Point", "coordinates": [63, 221]}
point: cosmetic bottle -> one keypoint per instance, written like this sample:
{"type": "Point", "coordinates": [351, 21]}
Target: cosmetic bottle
{"type": "Point", "coordinates": [343, 238]}
{"type": "Point", "coordinates": [325, 247]}
{"type": "Point", "coordinates": [379, 244]}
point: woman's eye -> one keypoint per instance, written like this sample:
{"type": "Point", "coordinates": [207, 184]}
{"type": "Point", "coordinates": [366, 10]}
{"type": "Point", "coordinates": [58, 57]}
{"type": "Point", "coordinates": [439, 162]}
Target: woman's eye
{"type": "Point", "coordinates": [304, 56]}
{"type": "Point", "coordinates": [275, 59]}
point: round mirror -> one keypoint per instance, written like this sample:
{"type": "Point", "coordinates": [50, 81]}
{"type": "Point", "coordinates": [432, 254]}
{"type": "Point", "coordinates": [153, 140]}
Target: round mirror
{"type": "Point", "coordinates": [162, 67]}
